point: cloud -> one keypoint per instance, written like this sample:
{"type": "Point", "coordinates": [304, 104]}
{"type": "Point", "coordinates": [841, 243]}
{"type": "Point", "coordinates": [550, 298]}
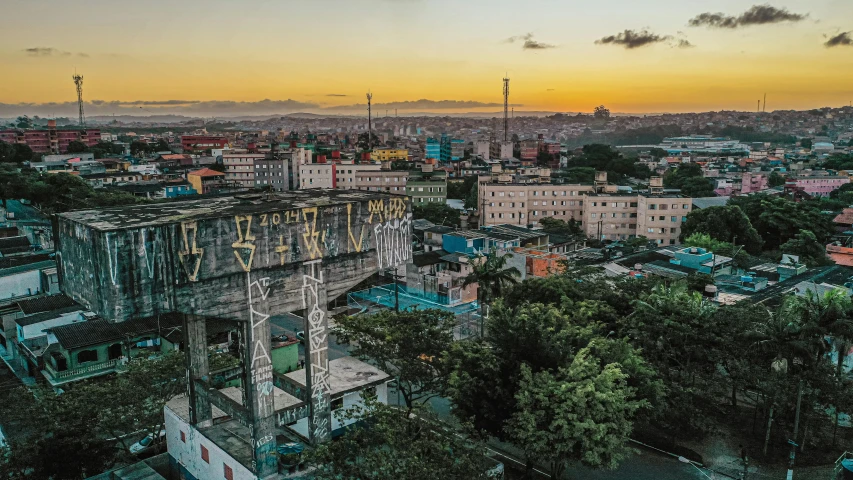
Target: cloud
{"type": "Point", "coordinates": [424, 104]}
{"type": "Point", "coordinates": [50, 52]}
{"type": "Point", "coordinates": [529, 42]}
{"type": "Point", "coordinates": [840, 40]}
{"type": "Point", "coordinates": [159, 103]}
{"type": "Point", "coordinates": [336, 95]}
{"type": "Point", "coordinates": [165, 107]}
{"type": "Point", "coordinates": [631, 39]}
{"type": "Point", "coordinates": [756, 15]}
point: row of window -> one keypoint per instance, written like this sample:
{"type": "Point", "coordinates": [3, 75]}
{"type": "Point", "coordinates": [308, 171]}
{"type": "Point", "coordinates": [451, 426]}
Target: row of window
{"type": "Point", "coordinates": [227, 471]}
{"type": "Point", "coordinates": [665, 206]}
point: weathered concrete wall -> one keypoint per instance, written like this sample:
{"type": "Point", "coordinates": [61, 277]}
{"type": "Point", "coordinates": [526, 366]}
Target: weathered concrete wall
{"type": "Point", "coordinates": [133, 266]}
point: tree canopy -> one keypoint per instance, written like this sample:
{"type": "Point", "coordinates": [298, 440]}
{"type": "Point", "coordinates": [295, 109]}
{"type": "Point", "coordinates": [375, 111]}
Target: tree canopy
{"type": "Point", "coordinates": [727, 223]}
{"type": "Point", "coordinates": [437, 213]}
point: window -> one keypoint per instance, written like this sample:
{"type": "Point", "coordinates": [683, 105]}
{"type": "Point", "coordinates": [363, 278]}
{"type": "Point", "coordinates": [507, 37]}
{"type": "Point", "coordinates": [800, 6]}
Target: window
{"type": "Point", "coordinates": [594, 204]}
{"type": "Point", "coordinates": [205, 455]}
{"type": "Point", "coordinates": [653, 206]}
{"type": "Point", "coordinates": [683, 219]}
{"type": "Point", "coordinates": [673, 218]}
{"type": "Point", "coordinates": [337, 403]}
{"type": "Point", "coordinates": [227, 472]}
{"type": "Point", "coordinates": [594, 215]}
{"type": "Point", "coordinates": [183, 436]}
{"type": "Point", "coordinates": [684, 207]}
{"type": "Point", "coordinates": [87, 356]}
{"type": "Point", "coordinates": [674, 206]}
{"type": "Point", "coordinates": [661, 218]}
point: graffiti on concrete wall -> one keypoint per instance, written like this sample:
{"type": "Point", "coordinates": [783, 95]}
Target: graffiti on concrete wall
{"type": "Point", "coordinates": [313, 301]}
{"type": "Point", "coordinates": [190, 254]}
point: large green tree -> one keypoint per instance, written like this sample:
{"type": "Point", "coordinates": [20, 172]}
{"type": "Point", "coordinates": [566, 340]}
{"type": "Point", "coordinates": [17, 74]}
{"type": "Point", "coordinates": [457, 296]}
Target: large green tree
{"type": "Point", "coordinates": [438, 213]}
{"type": "Point", "coordinates": [407, 345]}
{"type": "Point", "coordinates": [581, 413]}
{"type": "Point", "coordinates": [811, 251]}
{"type": "Point", "coordinates": [726, 224]}
{"type": "Point", "coordinates": [778, 219]}
{"type": "Point", "coordinates": [77, 146]}
{"type": "Point", "coordinates": [386, 445]}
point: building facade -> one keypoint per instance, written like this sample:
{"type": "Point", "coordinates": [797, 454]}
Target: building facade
{"type": "Point", "coordinates": [240, 168]}
{"type": "Point", "coordinates": [389, 154]}
{"type": "Point", "coordinates": [197, 143]}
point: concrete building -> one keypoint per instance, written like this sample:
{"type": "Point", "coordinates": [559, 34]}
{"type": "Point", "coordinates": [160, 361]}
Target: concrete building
{"type": "Point", "coordinates": [240, 168]}
{"type": "Point", "coordinates": [600, 209]}
{"type": "Point", "coordinates": [816, 186]}
{"type": "Point", "coordinates": [206, 180]}
{"type": "Point", "coordinates": [51, 140]}
{"type": "Point", "coordinates": [432, 149]}
{"type": "Point", "coordinates": [278, 174]}
{"type": "Point", "coordinates": [427, 186]}
{"type": "Point", "coordinates": [452, 149]}
{"type": "Point", "coordinates": [501, 150]}
{"type": "Point", "coordinates": [529, 150]}
{"type": "Point", "coordinates": [242, 260]}
{"type": "Point", "coordinates": [200, 143]}
{"type": "Point", "coordinates": [482, 149]}
{"type": "Point", "coordinates": [389, 154]}
{"type": "Point", "coordinates": [317, 175]}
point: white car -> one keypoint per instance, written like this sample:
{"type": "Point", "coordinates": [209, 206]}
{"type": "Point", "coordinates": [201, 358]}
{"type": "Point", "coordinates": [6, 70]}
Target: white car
{"type": "Point", "coordinates": [147, 442]}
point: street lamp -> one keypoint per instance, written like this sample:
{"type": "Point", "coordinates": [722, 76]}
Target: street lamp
{"type": "Point", "coordinates": [685, 460]}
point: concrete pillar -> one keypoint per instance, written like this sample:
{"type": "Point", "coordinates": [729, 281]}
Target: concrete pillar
{"type": "Point", "coordinates": [315, 302]}
{"type": "Point", "coordinates": [195, 349]}
{"type": "Point", "coordinates": [258, 381]}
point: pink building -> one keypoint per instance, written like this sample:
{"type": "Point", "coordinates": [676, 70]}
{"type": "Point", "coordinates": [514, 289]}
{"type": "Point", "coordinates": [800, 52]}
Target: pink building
{"type": "Point", "coordinates": [747, 183]}
{"type": "Point", "coordinates": [816, 186]}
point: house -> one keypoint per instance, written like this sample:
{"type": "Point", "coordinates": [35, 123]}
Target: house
{"type": "Point", "coordinates": [29, 275]}
{"type": "Point", "coordinates": [438, 276]}
{"type": "Point", "coordinates": [206, 180]}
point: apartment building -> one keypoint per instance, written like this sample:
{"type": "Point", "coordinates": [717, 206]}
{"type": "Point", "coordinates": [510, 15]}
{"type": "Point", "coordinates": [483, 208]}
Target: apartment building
{"type": "Point", "coordinates": [500, 150]}
{"type": "Point", "coordinates": [432, 149]}
{"type": "Point", "coordinates": [452, 149]}
{"type": "Point", "coordinates": [529, 149]}
{"type": "Point", "coordinates": [427, 185]}
{"type": "Point", "coordinates": [277, 174]}
{"type": "Point", "coordinates": [601, 210]}
{"type": "Point", "coordinates": [381, 181]}
{"type": "Point", "coordinates": [482, 149]}
{"type": "Point", "coordinates": [240, 168]}
{"type": "Point", "coordinates": [51, 140]}
{"type": "Point", "coordinates": [317, 175]}
{"type": "Point", "coordinates": [193, 143]}
{"type": "Point", "coordinates": [389, 154]}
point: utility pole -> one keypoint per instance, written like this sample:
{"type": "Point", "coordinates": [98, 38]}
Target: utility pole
{"type": "Point", "coordinates": [369, 126]}
{"type": "Point", "coordinates": [764, 105]}
{"type": "Point", "coordinates": [793, 441]}
{"type": "Point", "coordinates": [506, 109]}
{"type": "Point", "coordinates": [78, 82]}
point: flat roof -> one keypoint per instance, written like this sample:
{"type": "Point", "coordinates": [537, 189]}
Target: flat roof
{"type": "Point", "coordinates": [147, 215]}
{"type": "Point", "coordinates": [346, 374]}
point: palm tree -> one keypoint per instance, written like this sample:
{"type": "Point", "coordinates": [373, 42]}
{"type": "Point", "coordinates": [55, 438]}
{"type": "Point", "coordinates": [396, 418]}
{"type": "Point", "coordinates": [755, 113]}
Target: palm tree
{"type": "Point", "coordinates": [492, 277]}
{"type": "Point", "coordinates": [825, 321]}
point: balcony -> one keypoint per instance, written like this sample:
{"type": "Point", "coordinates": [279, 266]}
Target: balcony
{"type": "Point", "coordinates": [59, 377]}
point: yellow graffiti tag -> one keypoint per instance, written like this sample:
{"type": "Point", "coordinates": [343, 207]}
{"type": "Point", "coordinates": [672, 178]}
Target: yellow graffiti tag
{"type": "Point", "coordinates": [396, 209]}
{"type": "Point", "coordinates": [375, 207]}
{"type": "Point", "coordinates": [244, 239]}
{"type": "Point", "coordinates": [311, 235]}
{"type": "Point", "coordinates": [352, 241]}
{"type": "Point", "coordinates": [281, 249]}
{"type": "Point", "coordinates": [190, 249]}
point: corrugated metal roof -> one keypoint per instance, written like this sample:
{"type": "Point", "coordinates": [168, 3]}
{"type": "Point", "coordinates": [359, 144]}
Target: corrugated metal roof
{"type": "Point", "coordinates": [99, 331]}
{"type": "Point", "coordinates": [46, 304]}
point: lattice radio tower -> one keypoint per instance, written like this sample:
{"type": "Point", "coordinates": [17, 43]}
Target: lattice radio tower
{"type": "Point", "coordinates": [506, 109]}
{"type": "Point", "coordinates": [78, 81]}
{"type": "Point", "coordinates": [369, 125]}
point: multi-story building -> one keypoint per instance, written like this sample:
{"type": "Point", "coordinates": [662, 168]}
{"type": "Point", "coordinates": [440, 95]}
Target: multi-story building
{"type": "Point", "coordinates": [278, 174]}
{"type": "Point", "coordinates": [317, 175]}
{"type": "Point", "coordinates": [482, 149]}
{"type": "Point", "coordinates": [389, 154]}
{"type": "Point", "coordinates": [206, 180]}
{"type": "Point", "coordinates": [452, 149]}
{"type": "Point", "coordinates": [432, 149]}
{"type": "Point", "coordinates": [240, 168]}
{"type": "Point", "coordinates": [196, 143]}
{"type": "Point", "coordinates": [816, 186]}
{"type": "Point", "coordinates": [529, 150]}
{"type": "Point", "coordinates": [601, 210]}
{"type": "Point", "coordinates": [51, 140]}
{"type": "Point", "coordinates": [427, 186]}
{"type": "Point", "coordinates": [500, 150]}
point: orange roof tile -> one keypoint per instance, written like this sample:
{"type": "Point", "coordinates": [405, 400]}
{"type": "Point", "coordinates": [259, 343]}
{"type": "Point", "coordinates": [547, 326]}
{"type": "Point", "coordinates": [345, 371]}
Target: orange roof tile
{"type": "Point", "coordinates": [206, 172]}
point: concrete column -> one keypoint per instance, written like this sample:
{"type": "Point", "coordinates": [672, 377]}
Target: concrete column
{"type": "Point", "coordinates": [315, 302]}
{"type": "Point", "coordinates": [258, 381]}
{"type": "Point", "coordinates": [195, 349]}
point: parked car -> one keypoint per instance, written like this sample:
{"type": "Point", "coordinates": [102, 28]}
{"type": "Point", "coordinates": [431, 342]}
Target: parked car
{"type": "Point", "coordinates": [147, 442]}
{"type": "Point", "coordinates": [301, 336]}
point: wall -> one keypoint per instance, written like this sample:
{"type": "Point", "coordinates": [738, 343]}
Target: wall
{"type": "Point", "coordinates": [285, 359]}
{"type": "Point", "coordinates": [350, 399]}
{"type": "Point", "coordinates": [20, 284]}
{"type": "Point", "coordinates": [188, 454]}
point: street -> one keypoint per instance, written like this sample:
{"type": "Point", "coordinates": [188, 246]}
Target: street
{"type": "Point", "coordinates": [23, 212]}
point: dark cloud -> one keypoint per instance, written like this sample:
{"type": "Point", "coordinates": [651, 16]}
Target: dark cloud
{"type": "Point", "coordinates": [756, 15]}
{"type": "Point", "coordinates": [185, 107]}
{"type": "Point", "coordinates": [336, 95]}
{"type": "Point", "coordinates": [631, 39]}
{"type": "Point", "coordinates": [50, 52]}
{"type": "Point", "coordinates": [534, 45]}
{"type": "Point", "coordinates": [424, 104]}
{"type": "Point", "coordinates": [843, 39]}
{"type": "Point", "coordinates": [529, 43]}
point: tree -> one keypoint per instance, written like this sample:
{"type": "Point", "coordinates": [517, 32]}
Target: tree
{"type": "Point", "coordinates": [697, 187]}
{"type": "Point", "coordinates": [658, 153]}
{"type": "Point", "coordinates": [583, 413]}
{"type": "Point", "coordinates": [471, 200]}
{"type": "Point", "coordinates": [810, 250]}
{"type": "Point", "coordinates": [7, 153]}
{"type": "Point", "coordinates": [76, 146]}
{"type": "Point", "coordinates": [676, 177]}
{"type": "Point", "coordinates": [24, 122]}
{"type": "Point", "coordinates": [162, 146]}
{"type": "Point", "coordinates": [23, 152]}
{"type": "Point", "coordinates": [778, 219]}
{"type": "Point", "coordinates": [138, 147]}
{"type": "Point", "coordinates": [703, 240]}
{"type": "Point", "coordinates": [775, 180]}
{"type": "Point", "coordinates": [601, 112]}
{"type": "Point", "coordinates": [406, 344]}
{"type": "Point", "coordinates": [561, 227]}
{"type": "Point", "coordinates": [385, 445]}
{"type": "Point", "coordinates": [491, 275]}
{"type": "Point", "coordinates": [806, 143]}
{"type": "Point", "coordinates": [438, 213]}
{"type": "Point", "coordinates": [726, 224]}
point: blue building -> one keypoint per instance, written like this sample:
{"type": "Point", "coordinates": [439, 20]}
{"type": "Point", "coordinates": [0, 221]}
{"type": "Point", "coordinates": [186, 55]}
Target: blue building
{"type": "Point", "coordinates": [433, 149]}
{"type": "Point", "coordinates": [452, 149]}
{"type": "Point", "coordinates": [174, 190]}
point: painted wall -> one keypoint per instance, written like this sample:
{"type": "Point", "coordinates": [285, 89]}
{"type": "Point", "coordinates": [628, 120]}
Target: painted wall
{"type": "Point", "coordinates": [350, 400]}
{"type": "Point", "coordinates": [37, 329]}
{"type": "Point", "coordinates": [188, 453]}
{"type": "Point", "coordinates": [20, 284]}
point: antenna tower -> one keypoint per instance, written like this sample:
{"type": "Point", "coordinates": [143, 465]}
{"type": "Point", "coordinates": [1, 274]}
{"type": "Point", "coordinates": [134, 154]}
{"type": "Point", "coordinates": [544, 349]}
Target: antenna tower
{"type": "Point", "coordinates": [369, 126]}
{"type": "Point", "coordinates": [78, 81]}
{"type": "Point", "coordinates": [506, 109]}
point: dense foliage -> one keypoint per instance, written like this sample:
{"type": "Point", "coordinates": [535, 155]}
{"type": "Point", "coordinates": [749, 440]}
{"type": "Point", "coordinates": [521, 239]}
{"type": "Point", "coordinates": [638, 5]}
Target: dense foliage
{"type": "Point", "coordinates": [57, 192]}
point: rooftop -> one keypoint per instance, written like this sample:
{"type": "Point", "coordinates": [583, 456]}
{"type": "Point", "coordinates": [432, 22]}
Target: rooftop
{"type": "Point", "coordinates": [346, 374]}
{"type": "Point", "coordinates": [206, 172]}
{"type": "Point", "coordinates": [166, 213]}
{"type": "Point", "coordinates": [98, 331]}
{"type": "Point", "coordinates": [46, 304]}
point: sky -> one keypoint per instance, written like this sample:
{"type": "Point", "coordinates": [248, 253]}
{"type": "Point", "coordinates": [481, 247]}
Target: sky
{"type": "Point", "coordinates": [224, 57]}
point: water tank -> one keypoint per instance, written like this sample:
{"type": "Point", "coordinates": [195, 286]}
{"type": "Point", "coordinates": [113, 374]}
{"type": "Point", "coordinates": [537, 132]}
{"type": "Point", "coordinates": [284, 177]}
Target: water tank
{"type": "Point", "coordinates": [638, 267]}
{"type": "Point", "coordinates": [710, 291]}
